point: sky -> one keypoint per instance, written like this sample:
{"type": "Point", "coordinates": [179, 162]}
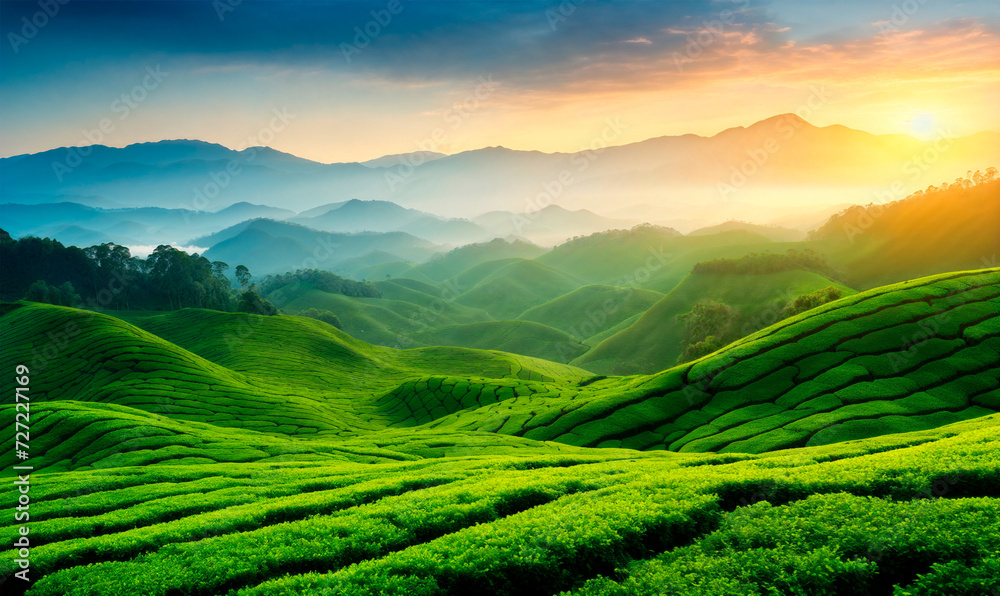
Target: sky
{"type": "Point", "coordinates": [351, 81]}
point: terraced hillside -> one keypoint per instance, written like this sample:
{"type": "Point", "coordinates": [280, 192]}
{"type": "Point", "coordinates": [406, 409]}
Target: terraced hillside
{"type": "Point", "coordinates": [412, 313]}
{"type": "Point", "coordinates": [287, 375]}
{"type": "Point", "coordinates": [904, 357]}
{"type": "Point", "coordinates": [916, 511]}
{"type": "Point", "coordinates": [898, 358]}
{"type": "Point", "coordinates": [203, 452]}
{"type": "Point", "coordinates": [499, 281]}
{"type": "Point", "coordinates": [653, 341]}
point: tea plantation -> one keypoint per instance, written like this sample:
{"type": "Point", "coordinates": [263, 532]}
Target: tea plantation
{"type": "Point", "coordinates": [852, 449]}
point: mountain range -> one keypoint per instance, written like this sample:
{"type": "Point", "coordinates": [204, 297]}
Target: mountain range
{"type": "Point", "coordinates": [734, 174]}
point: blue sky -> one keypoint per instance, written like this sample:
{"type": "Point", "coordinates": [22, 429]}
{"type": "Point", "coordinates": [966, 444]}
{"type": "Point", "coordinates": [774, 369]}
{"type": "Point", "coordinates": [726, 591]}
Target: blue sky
{"type": "Point", "coordinates": [558, 71]}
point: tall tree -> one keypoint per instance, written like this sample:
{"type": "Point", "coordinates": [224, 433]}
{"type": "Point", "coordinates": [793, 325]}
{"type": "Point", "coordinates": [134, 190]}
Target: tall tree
{"type": "Point", "coordinates": [243, 276]}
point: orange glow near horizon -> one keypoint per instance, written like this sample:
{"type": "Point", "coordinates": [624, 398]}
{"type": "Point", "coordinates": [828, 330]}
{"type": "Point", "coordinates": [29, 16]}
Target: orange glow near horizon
{"type": "Point", "coordinates": [942, 79]}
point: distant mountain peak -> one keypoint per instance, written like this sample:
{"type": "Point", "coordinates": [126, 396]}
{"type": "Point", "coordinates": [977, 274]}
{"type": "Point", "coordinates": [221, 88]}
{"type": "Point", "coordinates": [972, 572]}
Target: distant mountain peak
{"type": "Point", "coordinates": [789, 118]}
{"type": "Point", "coordinates": [401, 158]}
{"type": "Point", "coordinates": [195, 142]}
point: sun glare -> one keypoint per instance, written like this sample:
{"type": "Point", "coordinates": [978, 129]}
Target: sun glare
{"type": "Point", "coordinates": [923, 125]}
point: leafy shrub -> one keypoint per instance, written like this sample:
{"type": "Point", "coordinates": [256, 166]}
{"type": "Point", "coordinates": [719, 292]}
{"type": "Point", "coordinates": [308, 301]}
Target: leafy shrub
{"type": "Point", "coordinates": [323, 281]}
{"type": "Point", "coordinates": [812, 300]}
{"type": "Point", "coordinates": [709, 328]}
{"type": "Point", "coordinates": [321, 315]}
{"type": "Point", "coordinates": [61, 295]}
{"type": "Point", "coordinates": [251, 302]}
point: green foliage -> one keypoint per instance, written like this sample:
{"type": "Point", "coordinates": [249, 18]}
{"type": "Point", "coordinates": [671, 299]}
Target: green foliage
{"type": "Point", "coordinates": [518, 337]}
{"type": "Point", "coordinates": [186, 280]}
{"type": "Point", "coordinates": [322, 315]}
{"type": "Point", "coordinates": [324, 281]}
{"type": "Point", "coordinates": [251, 302]}
{"type": "Point", "coordinates": [757, 264]}
{"type": "Point", "coordinates": [826, 544]}
{"type": "Point", "coordinates": [207, 452]}
{"type": "Point", "coordinates": [62, 295]}
{"type": "Point", "coordinates": [243, 276]}
{"type": "Point", "coordinates": [592, 309]}
{"type": "Point", "coordinates": [656, 339]}
{"type": "Point", "coordinates": [905, 512]}
{"type": "Point", "coordinates": [812, 300]}
{"type": "Point", "coordinates": [708, 327]}
{"type": "Point", "coordinates": [28, 260]}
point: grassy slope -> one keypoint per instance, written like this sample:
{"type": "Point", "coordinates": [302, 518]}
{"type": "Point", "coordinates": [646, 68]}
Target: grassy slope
{"type": "Point", "coordinates": [531, 523]}
{"type": "Point", "coordinates": [466, 257]}
{"type": "Point", "coordinates": [519, 337]}
{"type": "Point", "coordinates": [943, 231]}
{"type": "Point", "coordinates": [841, 371]}
{"type": "Point", "coordinates": [392, 320]}
{"type": "Point", "coordinates": [514, 287]}
{"type": "Point", "coordinates": [409, 487]}
{"type": "Point", "coordinates": [592, 309]}
{"type": "Point", "coordinates": [653, 342]}
{"type": "Point", "coordinates": [220, 368]}
{"type": "Point", "coordinates": [776, 233]}
{"type": "Point", "coordinates": [648, 258]}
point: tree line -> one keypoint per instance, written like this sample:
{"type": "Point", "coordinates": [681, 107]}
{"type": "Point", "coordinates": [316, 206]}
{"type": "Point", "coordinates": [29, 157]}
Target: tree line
{"type": "Point", "coordinates": [762, 263]}
{"type": "Point", "coordinates": [108, 276]}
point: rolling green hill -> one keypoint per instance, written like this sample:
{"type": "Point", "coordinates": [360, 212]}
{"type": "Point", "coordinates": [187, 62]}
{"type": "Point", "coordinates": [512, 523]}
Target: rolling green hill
{"type": "Point", "coordinates": [367, 266]}
{"type": "Point", "coordinates": [389, 321]}
{"type": "Point", "coordinates": [653, 342]}
{"type": "Point", "coordinates": [454, 262]}
{"type": "Point", "coordinates": [903, 357]}
{"type": "Point", "coordinates": [206, 452]}
{"type": "Point", "coordinates": [514, 287]}
{"type": "Point", "coordinates": [937, 230]}
{"type": "Point", "coordinates": [650, 257]}
{"type": "Point", "coordinates": [775, 233]}
{"type": "Point", "coordinates": [519, 337]}
{"type": "Point", "coordinates": [412, 313]}
{"type": "Point", "coordinates": [592, 309]}
{"type": "Point", "coordinates": [914, 354]}
{"type": "Point", "coordinates": [277, 247]}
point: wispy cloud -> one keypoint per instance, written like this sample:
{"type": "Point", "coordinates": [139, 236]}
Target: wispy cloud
{"type": "Point", "coordinates": [605, 58]}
